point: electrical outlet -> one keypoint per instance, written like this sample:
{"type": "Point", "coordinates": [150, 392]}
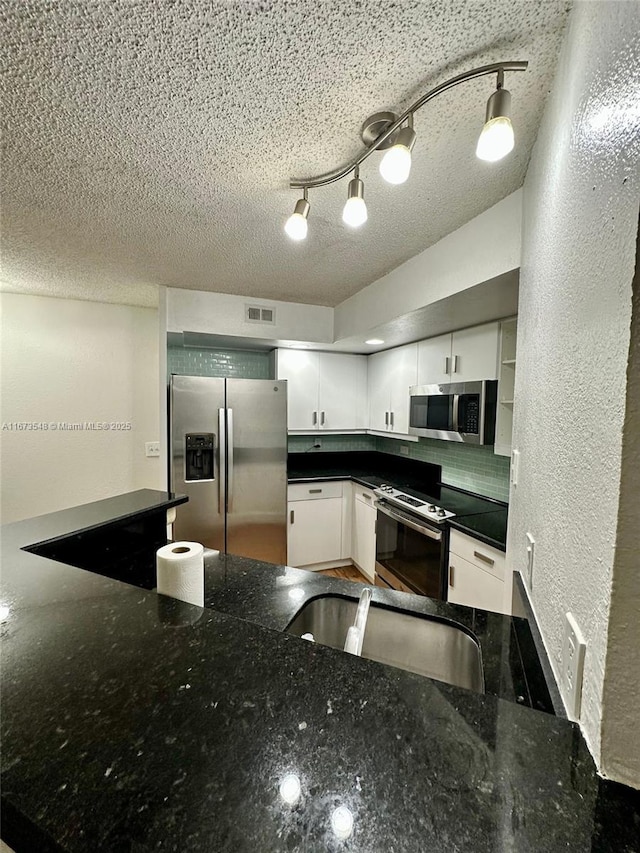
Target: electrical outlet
{"type": "Point", "coordinates": [404, 450]}
{"type": "Point", "coordinates": [515, 467]}
{"type": "Point", "coordinates": [573, 652]}
{"type": "Point", "coordinates": [317, 442]}
{"type": "Point", "coordinates": [531, 545]}
{"type": "Point", "coordinates": [152, 448]}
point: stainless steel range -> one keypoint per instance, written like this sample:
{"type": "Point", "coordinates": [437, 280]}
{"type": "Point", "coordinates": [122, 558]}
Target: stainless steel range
{"type": "Point", "coordinates": [411, 543]}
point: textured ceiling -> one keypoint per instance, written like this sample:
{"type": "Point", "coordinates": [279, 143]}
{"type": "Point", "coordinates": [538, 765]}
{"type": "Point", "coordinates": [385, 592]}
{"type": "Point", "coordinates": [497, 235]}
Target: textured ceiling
{"type": "Point", "coordinates": [151, 142]}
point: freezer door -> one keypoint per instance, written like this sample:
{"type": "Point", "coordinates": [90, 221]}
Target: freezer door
{"type": "Point", "coordinates": [257, 469]}
{"type": "Point", "coordinates": [196, 429]}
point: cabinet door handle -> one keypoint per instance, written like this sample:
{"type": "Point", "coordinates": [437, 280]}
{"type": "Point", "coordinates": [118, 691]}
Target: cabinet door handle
{"type": "Point", "coordinates": [321, 418]}
{"type": "Point", "coordinates": [366, 496]}
{"type": "Point", "coordinates": [455, 364]}
{"type": "Point", "coordinates": [451, 575]}
{"type": "Point", "coordinates": [315, 491]}
{"type": "Point", "coordinates": [446, 364]}
{"type": "Point", "coordinates": [386, 418]}
{"type": "Point", "coordinates": [314, 420]}
{"type": "Point", "coordinates": [291, 516]}
{"type": "Point", "coordinates": [484, 558]}
{"type": "Point", "coordinates": [391, 419]}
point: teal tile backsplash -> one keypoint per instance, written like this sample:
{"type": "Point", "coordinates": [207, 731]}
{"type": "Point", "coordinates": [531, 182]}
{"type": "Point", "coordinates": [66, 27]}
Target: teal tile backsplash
{"type": "Point", "coordinates": [477, 469]}
{"type": "Point", "coordinates": [241, 364]}
{"type": "Point", "coordinates": [333, 443]}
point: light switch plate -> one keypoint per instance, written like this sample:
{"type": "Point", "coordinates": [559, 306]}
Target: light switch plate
{"type": "Point", "coordinates": [573, 652]}
{"type": "Point", "coordinates": [152, 448]}
{"type": "Point", "coordinates": [515, 467]}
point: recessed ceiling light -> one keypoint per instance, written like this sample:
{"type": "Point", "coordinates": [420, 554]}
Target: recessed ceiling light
{"type": "Point", "coordinates": [374, 341]}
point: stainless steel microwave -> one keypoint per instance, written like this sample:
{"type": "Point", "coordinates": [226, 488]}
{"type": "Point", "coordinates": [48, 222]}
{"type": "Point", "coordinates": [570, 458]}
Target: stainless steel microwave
{"type": "Point", "coordinates": [461, 411]}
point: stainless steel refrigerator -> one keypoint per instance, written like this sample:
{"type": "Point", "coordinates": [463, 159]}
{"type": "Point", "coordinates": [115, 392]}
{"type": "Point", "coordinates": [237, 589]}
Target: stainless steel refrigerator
{"type": "Point", "coordinates": [228, 440]}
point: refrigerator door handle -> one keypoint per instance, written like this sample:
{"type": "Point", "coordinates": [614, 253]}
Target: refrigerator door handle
{"type": "Point", "coordinates": [229, 460]}
{"type": "Point", "coordinates": [222, 464]}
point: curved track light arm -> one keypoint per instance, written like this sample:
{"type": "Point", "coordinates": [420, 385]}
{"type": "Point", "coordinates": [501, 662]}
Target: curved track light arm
{"type": "Point", "coordinates": [496, 68]}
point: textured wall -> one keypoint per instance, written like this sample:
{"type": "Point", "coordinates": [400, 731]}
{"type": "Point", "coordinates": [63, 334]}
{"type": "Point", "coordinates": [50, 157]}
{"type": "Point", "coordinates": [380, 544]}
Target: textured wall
{"type": "Point", "coordinates": [241, 364]}
{"type": "Point", "coordinates": [70, 361]}
{"type": "Point", "coordinates": [621, 697]}
{"type": "Point", "coordinates": [580, 219]}
{"type": "Point", "coordinates": [472, 468]}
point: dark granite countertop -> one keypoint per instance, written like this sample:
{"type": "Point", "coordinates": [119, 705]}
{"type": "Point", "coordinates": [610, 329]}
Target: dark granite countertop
{"type": "Point", "coordinates": [474, 513]}
{"type": "Point", "coordinates": [134, 722]}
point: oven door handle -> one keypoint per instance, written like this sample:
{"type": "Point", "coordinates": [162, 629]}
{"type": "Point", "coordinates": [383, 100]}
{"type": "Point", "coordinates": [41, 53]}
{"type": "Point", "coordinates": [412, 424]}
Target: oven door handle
{"type": "Point", "coordinates": [402, 519]}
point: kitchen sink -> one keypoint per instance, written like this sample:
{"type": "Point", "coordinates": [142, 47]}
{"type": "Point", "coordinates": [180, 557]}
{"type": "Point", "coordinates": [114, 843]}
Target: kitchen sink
{"type": "Point", "coordinates": [427, 646]}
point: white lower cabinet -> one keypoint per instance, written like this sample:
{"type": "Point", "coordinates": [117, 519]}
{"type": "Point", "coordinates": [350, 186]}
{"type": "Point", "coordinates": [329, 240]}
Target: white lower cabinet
{"type": "Point", "coordinates": [315, 523]}
{"type": "Point", "coordinates": [363, 549]}
{"type": "Point", "coordinates": [476, 574]}
{"type": "Point", "coordinates": [331, 523]}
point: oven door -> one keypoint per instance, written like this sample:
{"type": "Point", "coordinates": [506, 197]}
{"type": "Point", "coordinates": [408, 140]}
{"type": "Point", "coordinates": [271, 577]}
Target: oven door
{"type": "Point", "coordinates": [410, 554]}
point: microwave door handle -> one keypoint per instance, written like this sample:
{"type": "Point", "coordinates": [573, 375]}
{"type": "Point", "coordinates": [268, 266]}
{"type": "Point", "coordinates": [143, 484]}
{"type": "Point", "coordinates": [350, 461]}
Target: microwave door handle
{"type": "Point", "coordinates": [456, 403]}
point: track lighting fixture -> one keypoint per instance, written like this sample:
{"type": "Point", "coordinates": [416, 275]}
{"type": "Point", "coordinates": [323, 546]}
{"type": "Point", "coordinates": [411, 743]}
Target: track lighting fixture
{"type": "Point", "coordinates": [354, 212]}
{"type": "Point", "coordinates": [385, 130]}
{"type": "Point", "coordinates": [296, 225]}
{"type": "Point", "coordinates": [496, 139]}
{"type": "Point", "coordinates": [396, 163]}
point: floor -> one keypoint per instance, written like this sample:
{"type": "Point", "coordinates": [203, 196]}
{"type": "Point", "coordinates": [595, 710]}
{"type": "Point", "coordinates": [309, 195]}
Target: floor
{"type": "Point", "coordinates": [346, 573]}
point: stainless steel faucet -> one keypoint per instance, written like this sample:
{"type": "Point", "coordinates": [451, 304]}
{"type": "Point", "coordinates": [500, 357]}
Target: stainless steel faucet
{"type": "Point", "coordinates": [355, 634]}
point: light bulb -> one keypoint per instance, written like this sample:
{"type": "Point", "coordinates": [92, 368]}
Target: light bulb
{"type": "Point", "coordinates": [354, 212]}
{"type": "Point", "coordinates": [496, 139]}
{"type": "Point", "coordinates": [396, 163]}
{"type": "Point", "coordinates": [296, 225]}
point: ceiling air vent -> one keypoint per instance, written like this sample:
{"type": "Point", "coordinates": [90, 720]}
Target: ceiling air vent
{"type": "Point", "coordinates": [257, 314]}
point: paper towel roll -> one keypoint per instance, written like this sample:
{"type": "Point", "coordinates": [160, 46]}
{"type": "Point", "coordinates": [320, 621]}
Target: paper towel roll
{"type": "Point", "coordinates": [180, 571]}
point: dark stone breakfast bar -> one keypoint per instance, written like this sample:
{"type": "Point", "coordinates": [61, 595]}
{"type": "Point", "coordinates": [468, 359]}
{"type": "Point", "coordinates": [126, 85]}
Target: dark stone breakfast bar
{"type": "Point", "coordinates": [132, 722]}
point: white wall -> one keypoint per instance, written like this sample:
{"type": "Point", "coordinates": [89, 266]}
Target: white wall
{"type": "Point", "coordinates": [74, 361]}
{"type": "Point", "coordinates": [223, 314]}
{"type": "Point", "coordinates": [581, 200]}
{"type": "Point", "coordinates": [487, 246]}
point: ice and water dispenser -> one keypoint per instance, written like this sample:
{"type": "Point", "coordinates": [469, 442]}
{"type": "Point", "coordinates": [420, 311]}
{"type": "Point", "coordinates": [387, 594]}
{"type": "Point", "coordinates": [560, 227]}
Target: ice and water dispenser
{"type": "Point", "coordinates": [199, 454]}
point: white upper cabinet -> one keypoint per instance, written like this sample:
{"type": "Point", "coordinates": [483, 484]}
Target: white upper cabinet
{"type": "Point", "coordinates": [434, 361]}
{"type": "Point", "coordinates": [466, 356]}
{"type": "Point", "coordinates": [326, 390]}
{"type": "Point", "coordinates": [391, 373]}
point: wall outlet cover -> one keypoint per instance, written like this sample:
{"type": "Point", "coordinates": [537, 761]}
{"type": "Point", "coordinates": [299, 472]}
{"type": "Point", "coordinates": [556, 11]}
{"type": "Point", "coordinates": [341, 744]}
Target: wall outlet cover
{"type": "Point", "coordinates": [152, 448]}
{"type": "Point", "coordinates": [573, 653]}
{"type": "Point", "coordinates": [404, 450]}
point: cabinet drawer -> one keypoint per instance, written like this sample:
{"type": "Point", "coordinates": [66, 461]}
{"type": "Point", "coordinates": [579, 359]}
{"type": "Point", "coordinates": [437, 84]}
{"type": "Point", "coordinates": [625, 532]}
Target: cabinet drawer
{"type": "Point", "coordinates": [474, 587]}
{"type": "Point", "coordinates": [362, 493]}
{"type": "Point", "coordinates": [477, 553]}
{"type": "Point", "coordinates": [314, 491]}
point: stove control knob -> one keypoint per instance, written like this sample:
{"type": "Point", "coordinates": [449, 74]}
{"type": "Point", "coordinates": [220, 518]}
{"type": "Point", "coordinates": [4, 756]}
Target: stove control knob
{"type": "Point", "coordinates": [431, 508]}
{"type": "Point", "coordinates": [440, 513]}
